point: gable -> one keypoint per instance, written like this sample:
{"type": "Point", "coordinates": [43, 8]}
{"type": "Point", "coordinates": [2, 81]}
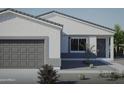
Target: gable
{"type": "Point", "coordinates": [73, 26]}
{"type": "Point", "coordinates": [6, 13]}
{"type": "Point", "coordinates": [14, 25]}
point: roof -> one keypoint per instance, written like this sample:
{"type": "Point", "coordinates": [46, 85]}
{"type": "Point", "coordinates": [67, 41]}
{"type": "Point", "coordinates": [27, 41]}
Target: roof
{"type": "Point", "coordinates": [29, 15]}
{"type": "Point", "coordinates": [77, 19]}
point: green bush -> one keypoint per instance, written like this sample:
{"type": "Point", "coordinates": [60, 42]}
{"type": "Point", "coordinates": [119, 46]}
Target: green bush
{"type": "Point", "coordinates": [82, 77]}
{"type": "Point", "coordinates": [122, 75]}
{"type": "Point", "coordinates": [91, 66]}
{"type": "Point", "coordinates": [114, 76]}
{"type": "Point", "coordinates": [103, 75]}
{"type": "Point", "coordinates": [111, 76]}
{"type": "Point", "coordinates": [47, 75]}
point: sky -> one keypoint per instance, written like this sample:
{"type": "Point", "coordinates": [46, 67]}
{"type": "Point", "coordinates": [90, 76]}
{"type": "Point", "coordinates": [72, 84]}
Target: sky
{"type": "Point", "coordinates": [103, 16]}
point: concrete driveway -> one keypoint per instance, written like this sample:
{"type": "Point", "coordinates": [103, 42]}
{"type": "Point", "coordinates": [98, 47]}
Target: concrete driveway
{"type": "Point", "coordinates": [18, 76]}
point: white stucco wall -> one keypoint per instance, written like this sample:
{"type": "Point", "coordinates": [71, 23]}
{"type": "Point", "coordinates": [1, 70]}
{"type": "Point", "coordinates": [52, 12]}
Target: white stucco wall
{"type": "Point", "coordinates": [73, 27]}
{"type": "Point", "coordinates": [93, 44]}
{"type": "Point", "coordinates": [18, 26]}
{"type": "Point", "coordinates": [107, 46]}
{"type": "Point", "coordinates": [64, 44]}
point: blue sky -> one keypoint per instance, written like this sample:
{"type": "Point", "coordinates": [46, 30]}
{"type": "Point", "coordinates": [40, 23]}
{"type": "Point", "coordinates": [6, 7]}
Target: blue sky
{"type": "Point", "coordinates": [103, 16]}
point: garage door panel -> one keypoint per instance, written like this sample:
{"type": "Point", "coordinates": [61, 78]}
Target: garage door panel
{"type": "Point", "coordinates": [31, 64]}
{"type": "Point", "coordinates": [23, 63]}
{"type": "Point", "coordinates": [1, 64]}
{"type": "Point", "coordinates": [39, 64]}
{"type": "Point", "coordinates": [21, 53]}
{"type": "Point", "coordinates": [31, 56]}
{"type": "Point", "coordinates": [15, 56]}
{"type": "Point", "coordinates": [23, 50]}
{"type": "Point", "coordinates": [1, 49]}
{"type": "Point", "coordinates": [23, 57]}
{"type": "Point", "coordinates": [40, 50]}
{"type": "Point", "coordinates": [6, 50]}
{"type": "Point", "coordinates": [15, 63]}
{"type": "Point", "coordinates": [15, 49]}
{"type": "Point", "coordinates": [40, 56]}
{"type": "Point", "coordinates": [1, 57]}
{"type": "Point", "coordinates": [31, 49]}
{"type": "Point", "coordinates": [6, 63]}
{"type": "Point", "coordinates": [7, 57]}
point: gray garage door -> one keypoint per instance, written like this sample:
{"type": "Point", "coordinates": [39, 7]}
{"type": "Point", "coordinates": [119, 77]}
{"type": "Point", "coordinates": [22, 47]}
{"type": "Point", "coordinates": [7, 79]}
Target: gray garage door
{"type": "Point", "coordinates": [21, 53]}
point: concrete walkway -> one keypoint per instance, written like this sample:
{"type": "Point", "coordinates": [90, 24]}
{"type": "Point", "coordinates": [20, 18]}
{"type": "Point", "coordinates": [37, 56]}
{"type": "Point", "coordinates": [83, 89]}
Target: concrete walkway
{"type": "Point", "coordinates": [84, 71]}
{"type": "Point", "coordinates": [115, 67]}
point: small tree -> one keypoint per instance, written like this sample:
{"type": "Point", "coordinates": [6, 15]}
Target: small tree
{"type": "Point", "coordinates": [47, 75]}
{"type": "Point", "coordinates": [118, 38]}
{"type": "Point", "coordinates": [89, 53]}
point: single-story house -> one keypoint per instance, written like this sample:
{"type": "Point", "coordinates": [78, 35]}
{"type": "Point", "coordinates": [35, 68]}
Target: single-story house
{"type": "Point", "coordinates": [28, 41]}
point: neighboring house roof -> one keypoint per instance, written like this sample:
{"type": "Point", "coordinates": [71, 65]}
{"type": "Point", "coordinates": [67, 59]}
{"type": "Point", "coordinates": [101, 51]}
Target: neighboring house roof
{"type": "Point", "coordinates": [29, 15]}
{"type": "Point", "coordinates": [76, 19]}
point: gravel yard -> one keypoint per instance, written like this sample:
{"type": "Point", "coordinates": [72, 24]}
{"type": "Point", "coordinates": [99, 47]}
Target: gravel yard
{"type": "Point", "coordinates": [67, 76]}
{"type": "Point", "coordinates": [29, 76]}
{"type": "Point", "coordinates": [119, 60]}
{"type": "Point", "coordinates": [90, 79]}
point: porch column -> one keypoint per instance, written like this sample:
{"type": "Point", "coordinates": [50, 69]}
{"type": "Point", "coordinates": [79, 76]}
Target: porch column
{"type": "Point", "coordinates": [107, 47]}
{"type": "Point", "coordinates": [93, 42]}
{"type": "Point", "coordinates": [112, 48]}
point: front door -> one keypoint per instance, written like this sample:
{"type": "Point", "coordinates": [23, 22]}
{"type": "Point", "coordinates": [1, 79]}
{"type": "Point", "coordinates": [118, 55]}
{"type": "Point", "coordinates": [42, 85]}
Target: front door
{"type": "Point", "coordinates": [101, 48]}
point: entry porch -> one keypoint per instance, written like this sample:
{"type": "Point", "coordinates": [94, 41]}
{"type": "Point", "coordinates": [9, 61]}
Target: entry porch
{"type": "Point", "coordinates": [101, 48]}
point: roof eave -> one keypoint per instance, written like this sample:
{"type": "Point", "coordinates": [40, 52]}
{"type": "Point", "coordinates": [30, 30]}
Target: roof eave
{"type": "Point", "coordinates": [34, 17]}
{"type": "Point", "coordinates": [107, 28]}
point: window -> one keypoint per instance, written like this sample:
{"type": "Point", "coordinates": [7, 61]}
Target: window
{"type": "Point", "coordinates": [78, 44]}
{"type": "Point", "coordinates": [82, 44]}
{"type": "Point", "coordinates": [74, 44]}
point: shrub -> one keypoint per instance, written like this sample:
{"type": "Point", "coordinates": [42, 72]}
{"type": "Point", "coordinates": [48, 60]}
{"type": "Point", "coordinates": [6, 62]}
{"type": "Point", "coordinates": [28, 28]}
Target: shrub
{"type": "Point", "coordinates": [104, 75]}
{"type": "Point", "coordinates": [91, 66]}
{"type": "Point", "coordinates": [122, 75]}
{"type": "Point", "coordinates": [114, 76]}
{"type": "Point", "coordinates": [82, 77]}
{"type": "Point", "coordinates": [47, 75]}
{"type": "Point", "coordinates": [110, 76]}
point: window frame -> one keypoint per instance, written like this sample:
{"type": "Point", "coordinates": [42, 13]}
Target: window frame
{"type": "Point", "coordinates": [78, 51]}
